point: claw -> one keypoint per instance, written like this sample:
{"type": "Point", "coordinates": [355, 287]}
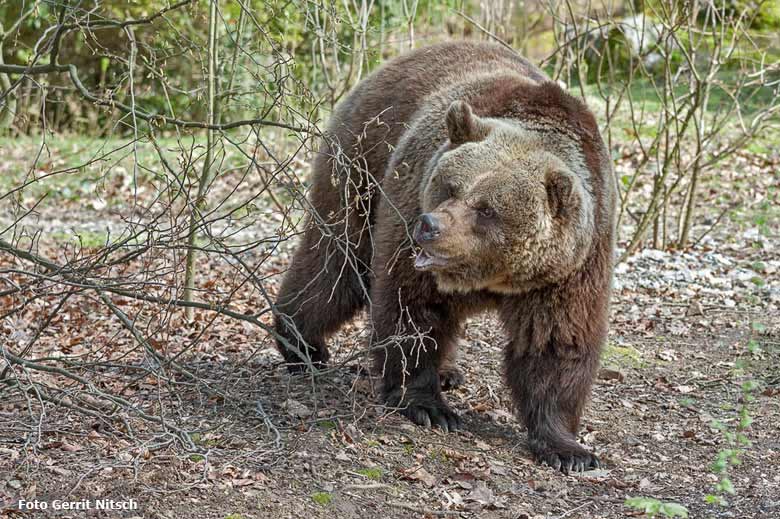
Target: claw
{"type": "Point", "coordinates": [429, 417]}
{"type": "Point", "coordinates": [425, 408]}
{"type": "Point", "coordinates": [566, 461]}
{"type": "Point", "coordinates": [441, 421]}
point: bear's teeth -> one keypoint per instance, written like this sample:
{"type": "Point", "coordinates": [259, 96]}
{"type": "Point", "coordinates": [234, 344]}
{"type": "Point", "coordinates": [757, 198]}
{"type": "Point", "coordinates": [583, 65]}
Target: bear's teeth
{"type": "Point", "coordinates": [423, 260]}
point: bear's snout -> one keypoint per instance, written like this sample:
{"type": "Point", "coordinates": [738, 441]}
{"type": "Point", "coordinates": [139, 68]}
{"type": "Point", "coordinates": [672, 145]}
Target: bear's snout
{"type": "Point", "coordinates": [428, 229]}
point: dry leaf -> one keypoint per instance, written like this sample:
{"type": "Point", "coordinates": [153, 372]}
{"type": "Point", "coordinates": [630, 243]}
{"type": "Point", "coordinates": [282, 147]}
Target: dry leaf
{"type": "Point", "coordinates": [419, 474]}
{"type": "Point", "coordinates": [611, 374]}
{"type": "Point", "coordinates": [296, 409]}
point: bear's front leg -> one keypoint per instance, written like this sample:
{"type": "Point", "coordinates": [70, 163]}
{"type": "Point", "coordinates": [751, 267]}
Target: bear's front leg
{"type": "Point", "coordinates": [550, 387]}
{"type": "Point", "coordinates": [412, 340]}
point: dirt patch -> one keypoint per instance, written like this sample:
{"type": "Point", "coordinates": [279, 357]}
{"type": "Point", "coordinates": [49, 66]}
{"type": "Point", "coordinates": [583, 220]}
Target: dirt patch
{"type": "Point", "coordinates": [323, 449]}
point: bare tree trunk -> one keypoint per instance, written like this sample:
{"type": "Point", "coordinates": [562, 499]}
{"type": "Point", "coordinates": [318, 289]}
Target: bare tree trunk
{"type": "Point", "coordinates": [410, 13]}
{"type": "Point", "coordinates": [205, 175]}
{"type": "Point", "coordinates": [690, 208]}
{"type": "Point", "coordinates": [7, 105]}
{"type": "Point", "coordinates": [657, 231]}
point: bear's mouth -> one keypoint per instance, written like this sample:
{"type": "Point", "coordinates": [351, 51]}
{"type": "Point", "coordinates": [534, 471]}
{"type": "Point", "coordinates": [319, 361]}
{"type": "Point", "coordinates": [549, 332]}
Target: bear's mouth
{"type": "Point", "coordinates": [427, 261]}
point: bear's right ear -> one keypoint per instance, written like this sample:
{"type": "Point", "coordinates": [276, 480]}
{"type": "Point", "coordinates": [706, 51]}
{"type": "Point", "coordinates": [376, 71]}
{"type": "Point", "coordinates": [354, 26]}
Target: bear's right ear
{"type": "Point", "coordinates": [463, 125]}
{"type": "Point", "coordinates": [561, 192]}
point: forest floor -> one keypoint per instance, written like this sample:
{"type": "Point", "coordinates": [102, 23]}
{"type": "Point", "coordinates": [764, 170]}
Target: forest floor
{"type": "Point", "coordinates": [688, 331]}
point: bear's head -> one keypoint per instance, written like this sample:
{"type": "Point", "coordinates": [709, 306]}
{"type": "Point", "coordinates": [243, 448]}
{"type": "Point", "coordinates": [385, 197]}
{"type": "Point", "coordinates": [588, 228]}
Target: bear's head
{"type": "Point", "coordinates": [506, 206]}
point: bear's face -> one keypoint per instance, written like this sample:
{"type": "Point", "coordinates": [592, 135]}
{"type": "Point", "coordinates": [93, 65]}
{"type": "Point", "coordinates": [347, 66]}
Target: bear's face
{"type": "Point", "coordinates": [504, 209]}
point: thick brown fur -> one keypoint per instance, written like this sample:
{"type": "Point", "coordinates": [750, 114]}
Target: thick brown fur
{"type": "Point", "coordinates": [516, 183]}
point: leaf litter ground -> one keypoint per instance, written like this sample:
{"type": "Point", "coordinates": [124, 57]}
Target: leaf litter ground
{"type": "Point", "coordinates": [688, 329]}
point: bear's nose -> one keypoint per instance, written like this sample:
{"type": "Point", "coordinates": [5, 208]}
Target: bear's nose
{"type": "Point", "coordinates": [428, 228]}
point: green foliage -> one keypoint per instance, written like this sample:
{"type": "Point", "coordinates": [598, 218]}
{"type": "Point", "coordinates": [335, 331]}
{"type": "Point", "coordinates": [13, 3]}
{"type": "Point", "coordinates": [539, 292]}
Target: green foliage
{"type": "Point", "coordinates": [758, 266]}
{"type": "Point", "coordinates": [735, 438]}
{"type": "Point", "coordinates": [653, 507]}
{"type": "Point", "coordinates": [327, 425]}
{"type": "Point", "coordinates": [614, 355]}
{"type": "Point", "coordinates": [758, 281]}
{"type": "Point", "coordinates": [322, 498]}
{"type": "Point", "coordinates": [729, 457]}
{"type": "Point", "coordinates": [758, 327]}
{"type": "Point", "coordinates": [83, 239]}
{"type": "Point", "coordinates": [372, 473]}
{"type": "Point", "coordinates": [763, 14]}
{"type": "Point", "coordinates": [309, 52]}
{"type": "Point", "coordinates": [686, 401]}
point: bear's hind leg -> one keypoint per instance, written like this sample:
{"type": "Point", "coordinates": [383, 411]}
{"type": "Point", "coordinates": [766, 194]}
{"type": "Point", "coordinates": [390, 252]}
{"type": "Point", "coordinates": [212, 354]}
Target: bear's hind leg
{"type": "Point", "coordinates": [550, 391]}
{"type": "Point", "coordinates": [320, 292]}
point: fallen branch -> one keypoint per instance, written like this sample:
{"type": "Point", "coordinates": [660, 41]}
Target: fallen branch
{"type": "Point", "coordinates": [182, 435]}
{"type": "Point", "coordinates": [424, 511]}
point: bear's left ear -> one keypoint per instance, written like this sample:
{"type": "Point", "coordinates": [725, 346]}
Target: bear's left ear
{"type": "Point", "coordinates": [561, 192]}
{"type": "Point", "coordinates": [463, 125]}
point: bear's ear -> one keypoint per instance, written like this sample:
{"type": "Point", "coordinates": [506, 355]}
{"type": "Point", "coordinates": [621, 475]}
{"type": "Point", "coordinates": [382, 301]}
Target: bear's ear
{"type": "Point", "coordinates": [463, 125]}
{"type": "Point", "coordinates": [561, 192]}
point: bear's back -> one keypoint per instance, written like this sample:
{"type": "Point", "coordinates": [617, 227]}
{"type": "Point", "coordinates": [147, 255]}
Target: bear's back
{"type": "Point", "coordinates": [369, 122]}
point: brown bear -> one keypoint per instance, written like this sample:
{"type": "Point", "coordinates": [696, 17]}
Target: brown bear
{"type": "Point", "coordinates": [454, 179]}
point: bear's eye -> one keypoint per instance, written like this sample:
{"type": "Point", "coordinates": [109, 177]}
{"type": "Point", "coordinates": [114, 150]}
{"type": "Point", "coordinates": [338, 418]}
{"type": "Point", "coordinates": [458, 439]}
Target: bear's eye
{"type": "Point", "coordinates": [486, 212]}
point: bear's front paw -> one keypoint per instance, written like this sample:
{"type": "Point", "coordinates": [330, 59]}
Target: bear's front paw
{"type": "Point", "coordinates": [428, 410]}
{"type": "Point", "coordinates": [450, 378]}
{"type": "Point", "coordinates": [566, 459]}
